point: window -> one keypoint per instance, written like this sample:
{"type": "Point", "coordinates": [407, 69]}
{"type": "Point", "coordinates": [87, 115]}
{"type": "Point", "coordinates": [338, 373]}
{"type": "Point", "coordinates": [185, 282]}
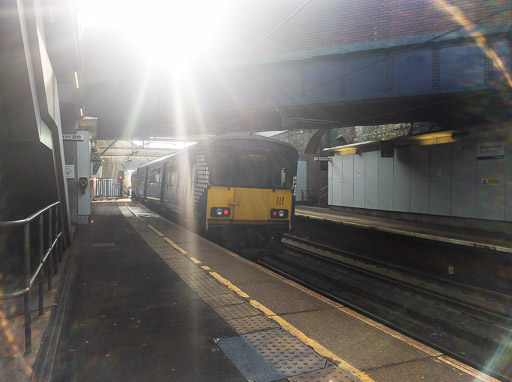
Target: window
{"type": "Point", "coordinates": [222, 163]}
{"type": "Point", "coordinates": [251, 164]}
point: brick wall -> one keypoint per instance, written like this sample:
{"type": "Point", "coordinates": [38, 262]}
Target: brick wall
{"type": "Point", "coordinates": [329, 23]}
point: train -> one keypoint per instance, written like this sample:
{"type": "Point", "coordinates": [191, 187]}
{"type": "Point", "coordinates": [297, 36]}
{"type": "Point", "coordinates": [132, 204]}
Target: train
{"type": "Point", "coordinates": [236, 189]}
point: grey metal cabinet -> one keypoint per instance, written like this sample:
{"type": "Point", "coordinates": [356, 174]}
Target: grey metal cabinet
{"type": "Point", "coordinates": [348, 181]}
{"type": "Point", "coordinates": [420, 179]}
{"type": "Point", "coordinates": [371, 180]}
{"type": "Point", "coordinates": [464, 179]}
{"type": "Point", "coordinates": [359, 171]}
{"type": "Point", "coordinates": [440, 179]}
{"type": "Point", "coordinates": [402, 180]}
{"type": "Point", "coordinates": [386, 183]}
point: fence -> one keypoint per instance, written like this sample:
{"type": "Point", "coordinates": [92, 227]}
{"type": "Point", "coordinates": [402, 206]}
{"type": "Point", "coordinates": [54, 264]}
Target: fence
{"type": "Point", "coordinates": [54, 228]}
{"type": "Point", "coordinates": [107, 188]}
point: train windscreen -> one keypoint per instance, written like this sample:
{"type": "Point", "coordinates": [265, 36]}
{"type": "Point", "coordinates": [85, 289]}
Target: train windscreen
{"type": "Point", "coordinates": [251, 165]}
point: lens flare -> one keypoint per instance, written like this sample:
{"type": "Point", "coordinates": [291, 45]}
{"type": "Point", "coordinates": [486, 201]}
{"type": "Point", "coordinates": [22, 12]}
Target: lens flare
{"type": "Point", "coordinates": [458, 16]}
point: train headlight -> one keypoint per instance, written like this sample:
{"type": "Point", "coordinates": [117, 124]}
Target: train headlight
{"type": "Point", "coordinates": [279, 214]}
{"type": "Point", "coordinates": [220, 212]}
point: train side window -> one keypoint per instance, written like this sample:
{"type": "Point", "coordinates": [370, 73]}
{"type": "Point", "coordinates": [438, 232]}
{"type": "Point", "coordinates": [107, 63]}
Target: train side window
{"type": "Point", "coordinates": [174, 179]}
{"type": "Point", "coordinates": [151, 179]}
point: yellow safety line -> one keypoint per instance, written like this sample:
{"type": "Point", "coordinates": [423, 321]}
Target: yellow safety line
{"type": "Point", "coordinates": [176, 247]}
{"type": "Point", "coordinates": [227, 283]}
{"type": "Point", "coordinates": [195, 260]}
{"type": "Point", "coordinates": [205, 267]}
{"type": "Point", "coordinates": [324, 352]}
{"type": "Point", "coordinates": [291, 329]}
{"type": "Point", "coordinates": [155, 230]}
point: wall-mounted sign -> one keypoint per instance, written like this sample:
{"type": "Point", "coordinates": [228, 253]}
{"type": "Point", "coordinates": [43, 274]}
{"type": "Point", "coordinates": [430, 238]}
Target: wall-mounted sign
{"type": "Point", "coordinates": [491, 181]}
{"type": "Point", "coordinates": [490, 150]}
{"type": "Point", "coordinates": [321, 159]}
{"type": "Point", "coordinates": [72, 137]}
{"type": "Point", "coordinates": [70, 171]}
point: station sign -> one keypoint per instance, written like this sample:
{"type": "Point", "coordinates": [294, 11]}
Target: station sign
{"type": "Point", "coordinates": [321, 159]}
{"type": "Point", "coordinates": [490, 181]}
{"type": "Point", "coordinates": [72, 137]}
{"type": "Point", "coordinates": [70, 171]}
{"type": "Point", "coordinates": [490, 150]}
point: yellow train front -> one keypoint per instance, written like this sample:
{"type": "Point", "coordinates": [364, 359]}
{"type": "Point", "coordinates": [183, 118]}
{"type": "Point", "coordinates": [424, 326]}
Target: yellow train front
{"type": "Point", "coordinates": [237, 188]}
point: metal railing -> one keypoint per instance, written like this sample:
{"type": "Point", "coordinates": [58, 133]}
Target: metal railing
{"type": "Point", "coordinates": [54, 229]}
{"type": "Point", "coordinates": [107, 188]}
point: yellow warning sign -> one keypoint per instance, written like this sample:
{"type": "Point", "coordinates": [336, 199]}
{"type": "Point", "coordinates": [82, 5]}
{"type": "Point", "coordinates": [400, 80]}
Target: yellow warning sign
{"type": "Point", "coordinates": [491, 181]}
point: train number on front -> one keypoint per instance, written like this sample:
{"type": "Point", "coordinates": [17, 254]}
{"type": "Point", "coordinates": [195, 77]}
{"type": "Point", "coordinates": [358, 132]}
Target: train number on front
{"type": "Point", "coordinates": [280, 201]}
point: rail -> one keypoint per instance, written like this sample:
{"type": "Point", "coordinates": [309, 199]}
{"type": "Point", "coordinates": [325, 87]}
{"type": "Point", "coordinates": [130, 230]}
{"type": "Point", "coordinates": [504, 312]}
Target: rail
{"type": "Point", "coordinates": [54, 228]}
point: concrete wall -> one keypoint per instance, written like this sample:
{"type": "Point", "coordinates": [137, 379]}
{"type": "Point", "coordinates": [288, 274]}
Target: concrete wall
{"type": "Point", "coordinates": [468, 179]}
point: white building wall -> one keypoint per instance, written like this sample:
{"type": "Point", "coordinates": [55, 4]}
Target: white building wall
{"type": "Point", "coordinates": [453, 179]}
{"type": "Point", "coordinates": [348, 180]}
{"type": "Point", "coordinates": [371, 180]}
{"type": "Point", "coordinates": [385, 183]}
{"type": "Point", "coordinates": [402, 180]}
{"type": "Point", "coordinates": [359, 166]}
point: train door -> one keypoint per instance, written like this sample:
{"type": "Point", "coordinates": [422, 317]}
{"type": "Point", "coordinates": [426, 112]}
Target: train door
{"type": "Point", "coordinates": [253, 174]}
{"type": "Point", "coordinates": [163, 185]}
{"type": "Point", "coordinates": [166, 188]}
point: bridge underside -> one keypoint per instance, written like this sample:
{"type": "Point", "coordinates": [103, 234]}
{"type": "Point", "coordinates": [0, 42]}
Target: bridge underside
{"type": "Point", "coordinates": [454, 82]}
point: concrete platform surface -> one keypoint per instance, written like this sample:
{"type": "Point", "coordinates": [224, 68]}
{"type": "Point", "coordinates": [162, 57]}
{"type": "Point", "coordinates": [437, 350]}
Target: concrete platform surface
{"type": "Point", "coordinates": [152, 301]}
{"type": "Point", "coordinates": [442, 233]}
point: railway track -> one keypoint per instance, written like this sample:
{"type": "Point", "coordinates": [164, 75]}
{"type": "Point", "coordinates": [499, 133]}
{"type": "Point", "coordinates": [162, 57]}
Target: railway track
{"type": "Point", "coordinates": [466, 323]}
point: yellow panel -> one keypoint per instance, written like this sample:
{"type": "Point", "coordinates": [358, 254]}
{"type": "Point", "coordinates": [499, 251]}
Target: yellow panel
{"type": "Point", "coordinates": [220, 197]}
{"type": "Point", "coordinates": [248, 205]}
{"type": "Point", "coordinates": [251, 204]}
{"type": "Point", "coordinates": [281, 199]}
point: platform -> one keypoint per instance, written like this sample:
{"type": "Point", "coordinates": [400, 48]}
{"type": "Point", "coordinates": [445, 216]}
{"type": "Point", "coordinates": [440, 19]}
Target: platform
{"type": "Point", "coordinates": [150, 300]}
{"type": "Point", "coordinates": [445, 234]}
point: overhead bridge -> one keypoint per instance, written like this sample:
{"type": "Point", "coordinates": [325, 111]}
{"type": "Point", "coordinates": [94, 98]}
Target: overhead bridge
{"type": "Point", "coordinates": [335, 65]}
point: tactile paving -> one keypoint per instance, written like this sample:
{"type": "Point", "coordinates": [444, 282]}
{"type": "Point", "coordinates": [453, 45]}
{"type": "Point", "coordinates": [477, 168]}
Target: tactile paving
{"type": "Point", "coordinates": [286, 352]}
{"type": "Point", "coordinates": [334, 374]}
{"type": "Point", "coordinates": [206, 291]}
{"type": "Point", "coordinates": [224, 300]}
{"type": "Point", "coordinates": [252, 324]}
{"type": "Point", "coordinates": [237, 311]}
{"type": "Point", "coordinates": [300, 365]}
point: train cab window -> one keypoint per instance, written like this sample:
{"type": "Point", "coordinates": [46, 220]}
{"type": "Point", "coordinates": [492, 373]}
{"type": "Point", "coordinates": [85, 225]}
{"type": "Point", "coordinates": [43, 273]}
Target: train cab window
{"type": "Point", "coordinates": [282, 168]}
{"type": "Point", "coordinates": [248, 164]}
{"type": "Point", "coordinates": [221, 164]}
{"type": "Point", "coordinates": [253, 168]}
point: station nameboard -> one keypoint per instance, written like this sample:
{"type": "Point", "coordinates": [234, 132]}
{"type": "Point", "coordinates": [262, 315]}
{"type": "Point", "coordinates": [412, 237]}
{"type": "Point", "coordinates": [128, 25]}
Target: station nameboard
{"type": "Point", "coordinates": [490, 150]}
{"type": "Point", "coordinates": [321, 159]}
{"type": "Point", "coordinates": [72, 137]}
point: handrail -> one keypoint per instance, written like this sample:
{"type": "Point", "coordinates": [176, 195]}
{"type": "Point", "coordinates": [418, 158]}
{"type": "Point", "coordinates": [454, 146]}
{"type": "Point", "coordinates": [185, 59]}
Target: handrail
{"type": "Point", "coordinates": [55, 242]}
{"type": "Point", "coordinates": [13, 223]}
